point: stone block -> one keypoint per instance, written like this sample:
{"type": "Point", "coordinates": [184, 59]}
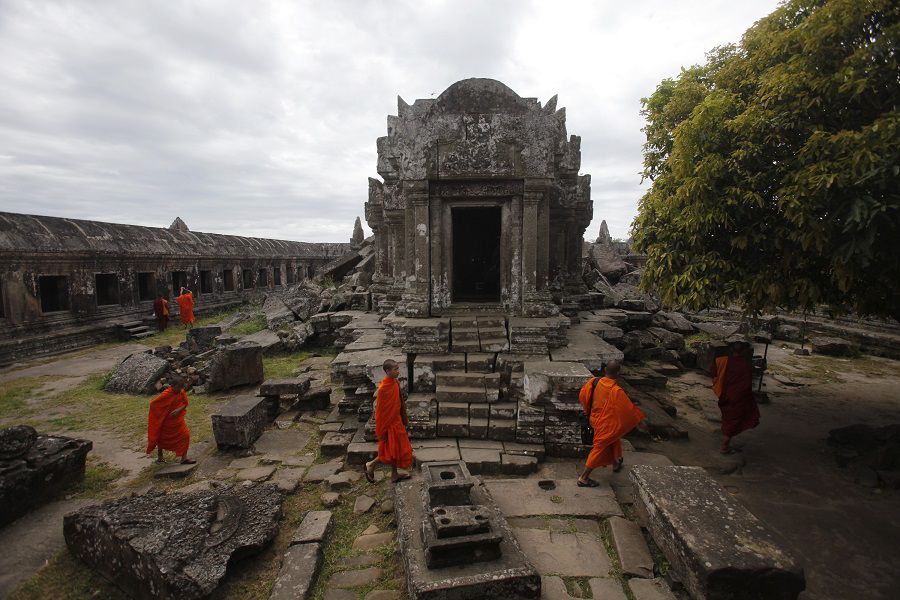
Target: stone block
{"type": "Point", "coordinates": [481, 460]}
{"type": "Point", "coordinates": [479, 411]}
{"type": "Point", "coordinates": [536, 450]}
{"type": "Point", "coordinates": [200, 339]}
{"type": "Point", "coordinates": [502, 410]}
{"type": "Point", "coordinates": [478, 428]}
{"type": "Point", "coordinates": [315, 527]}
{"type": "Point", "coordinates": [546, 379]}
{"type": "Point", "coordinates": [606, 589]}
{"type": "Point", "coordinates": [34, 468]}
{"type": "Point", "coordinates": [122, 539]}
{"type": "Point", "coordinates": [439, 454]}
{"type": "Point", "coordinates": [514, 464]}
{"type": "Point", "coordinates": [321, 472]}
{"type": "Point", "coordinates": [137, 374]}
{"type": "Point", "coordinates": [176, 470]}
{"type": "Point", "coordinates": [235, 365]}
{"type": "Point", "coordinates": [532, 497]}
{"type": "Point", "coordinates": [631, 547]}
{"type": "Point", "coordinates": [502, 429]}
{"type": "Point", "coordinates": [285, 387]}
{"type": "Point", "coordinates": [335, 443]}
{"type": "Point", "coordinates": [453, 426]}
{"type": "Point", "coordinates": [566, 554]}
{"type": "Point", "coordinates": [372, 541]}
{"type": "Point", "coordinates": [714, 544]}
{"type": "Point", "coordinates": [656, 589]}
{"type": "Point", "coordinates": [453, 409]}
{"type": "Point", "coordinates": [832, 346]}
{"type": "Point", "coordinates": [480, 362]}
{"type": "Point", "coordinates": [299, 568]}
{"type": "Point", "coordinates": [240, 422]}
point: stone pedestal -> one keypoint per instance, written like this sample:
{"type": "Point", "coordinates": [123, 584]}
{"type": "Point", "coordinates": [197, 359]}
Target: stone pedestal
{"type": "Point", "coordinates": [240, 422]}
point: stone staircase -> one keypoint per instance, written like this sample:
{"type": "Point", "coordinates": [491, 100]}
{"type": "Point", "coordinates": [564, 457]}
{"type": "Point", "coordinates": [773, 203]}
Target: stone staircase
{"type": "Point", "coordinates": [133, 330]}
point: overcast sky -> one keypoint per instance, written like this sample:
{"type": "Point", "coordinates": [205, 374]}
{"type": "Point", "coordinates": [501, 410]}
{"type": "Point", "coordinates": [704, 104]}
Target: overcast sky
{"type": "Point", "coordinates": [260, 118]}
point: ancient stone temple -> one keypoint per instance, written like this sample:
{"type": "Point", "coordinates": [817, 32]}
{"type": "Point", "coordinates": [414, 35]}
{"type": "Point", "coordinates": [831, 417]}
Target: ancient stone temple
{"type": "Point", "coordinates": [481, 206]}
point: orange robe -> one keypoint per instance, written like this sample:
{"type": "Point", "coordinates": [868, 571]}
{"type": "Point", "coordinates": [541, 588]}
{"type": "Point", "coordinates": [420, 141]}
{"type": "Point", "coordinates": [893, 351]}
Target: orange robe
{"type": "Point", "coordinates": [165, 431]}
{"type": "Point", "coordinates": [186, 304]}
{"type": "Point", "coordinates": [612, 416]}
{"type": "Point", "coordinates": [393, 441]}
{"type": "Point", "coordinates": [733, 386]}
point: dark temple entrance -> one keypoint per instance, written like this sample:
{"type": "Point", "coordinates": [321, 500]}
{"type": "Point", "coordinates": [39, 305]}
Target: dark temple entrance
{"type": "Point", "coordinates": [476, 254]}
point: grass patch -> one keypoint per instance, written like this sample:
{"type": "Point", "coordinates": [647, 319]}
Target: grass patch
{"type": "Point", "coordinates": [279, 367]}
{"type": "Point", "coordinates": [88, 406]}
{"type": "Point", "coordinates": [698, 337]}
{"type": "Point", "coordinates": [66, 578]}
{"type": "Point", "coordinates": [14, 396]}
{"type": "Point", "coordinates": [616, 572]}
{"type": "Point", "coordinates": [98, 479]}
{"type": "Point", "coordinates": [256, 322]}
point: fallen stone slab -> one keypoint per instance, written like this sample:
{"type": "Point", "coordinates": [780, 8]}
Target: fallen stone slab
{"type": "Point", "coordinates": [533, 497]}
{"type": "Point", "coordinates": [200, 339]}
{"type": "Point", "coordinates": [321, 472]}
{"type": "Point", "coordinates": [137, 374]}
{"type": "Point", "coordinates": [372, 541]}
{"type": "Point", "coordinates": [656, 589]}
{"type": "Point", "coordinates": [831, 346]}
{"type": "Point", "coordinates": [634, 556]}
{"type": "Point", "coordinates": [716, 547]}
{"type": "Point", "coordinates": [287, 480]}
{"type": "Point", "coordinates": [566, 554]}
{"type": "Point", "coordinates": [357, 578]}
{"type": "Point", "coordinates": [285, 443]}
{"type": "Point", "coordinates": [173, 546]}
{"type": "Point", "coordinates": [363, 504]}
{"type": "Point", "coordinates": [606, 589]}
{"type": "Point", "coordinates": [255, 473]}
{"type": "Point", "coordinates": [335, 443]}
{"type": "Point", "coordinates": [299, 568]}
{"type": "Point", "coordinates": [240, 422]}
{"type": "Point", "coordinates": [36, 468]}
{"type": "Point", "coordinates": [176, 470]}
{"type": "Point", "coordinates": [235, 365]}
{"type": "Point", "coordinates": [315, 527]}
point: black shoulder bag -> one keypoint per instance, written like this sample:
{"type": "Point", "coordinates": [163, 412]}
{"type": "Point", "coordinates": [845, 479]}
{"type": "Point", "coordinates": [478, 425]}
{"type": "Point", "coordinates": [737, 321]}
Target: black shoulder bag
{"type": "Point", "coordinates": [587, 432]}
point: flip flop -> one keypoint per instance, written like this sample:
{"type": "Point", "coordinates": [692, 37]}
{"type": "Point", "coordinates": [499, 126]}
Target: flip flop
{"type": "Point", "coordinates": [401, 478]}
{"type": "Point", "coordinates": [188, 461]}
{"type": "Point", "coordinates": [370, 477]}
{"type": "Point", "coordinates": [588, 483]}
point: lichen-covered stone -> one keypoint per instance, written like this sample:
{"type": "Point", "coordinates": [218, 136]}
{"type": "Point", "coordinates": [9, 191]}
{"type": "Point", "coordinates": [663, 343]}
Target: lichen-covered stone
{"type": "Point", "coordinates": [234, 365]}
{"type": "Point", "coordinates": [137, 374]}
{"type": "Point", "coordinates": [717, 548]}
{"type": "Point", "coordinates": [174, 545]}
{"type": "Point", "coordinates": [35, 468]}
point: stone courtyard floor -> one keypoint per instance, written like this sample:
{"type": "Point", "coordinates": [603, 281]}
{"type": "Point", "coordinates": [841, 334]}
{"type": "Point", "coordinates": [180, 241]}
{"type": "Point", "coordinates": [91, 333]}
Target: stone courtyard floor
{"type": "Point", "coordinates": [584, 546]}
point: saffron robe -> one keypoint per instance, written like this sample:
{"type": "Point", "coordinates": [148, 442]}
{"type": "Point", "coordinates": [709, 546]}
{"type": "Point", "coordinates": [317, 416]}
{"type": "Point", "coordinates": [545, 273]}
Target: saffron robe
{"type": "Point", "coordinates": [393, 442]}
{"type": "Point", "coordinates": [164, 430]}
{"type": "Point", "coordinates": [161, 310]}
{"type": "Point", "coordinates": [186, 306]}
{"type": "Point", "coordinates": [612, 416]}
{"type": "Point", "coordinates": [733, 385]}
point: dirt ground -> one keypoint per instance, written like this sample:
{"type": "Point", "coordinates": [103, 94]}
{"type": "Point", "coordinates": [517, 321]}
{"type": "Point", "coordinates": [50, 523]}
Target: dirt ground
{"type": "Point", "coordinates": [846, 535]}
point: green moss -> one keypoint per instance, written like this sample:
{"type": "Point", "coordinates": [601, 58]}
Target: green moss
{"type": "Point", "coordinates": [256, 322]}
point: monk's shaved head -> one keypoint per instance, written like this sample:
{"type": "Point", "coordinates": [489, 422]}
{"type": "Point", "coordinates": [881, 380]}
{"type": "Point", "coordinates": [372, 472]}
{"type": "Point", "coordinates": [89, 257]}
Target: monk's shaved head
{"type": "Point", "coordinates": [389, 364]}
{"type": "Point", "coordinates": [613, 369]}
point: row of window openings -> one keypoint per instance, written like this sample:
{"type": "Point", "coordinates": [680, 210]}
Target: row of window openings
{"type": "Point", "coordinates": [54, 289]}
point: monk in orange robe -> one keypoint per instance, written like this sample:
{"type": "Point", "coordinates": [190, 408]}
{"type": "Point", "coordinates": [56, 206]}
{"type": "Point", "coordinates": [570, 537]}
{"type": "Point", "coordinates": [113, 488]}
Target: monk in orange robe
{"type": "Point", "coordinates": [733, 386]}
{"type": "Point", "coordinates": [161, 310]}
{"type": "Point", "coordinates": [612, 415]}
{"type": "Point", "coordinates": [166, 429]}
{"type": "Point", "coordinates": [186, 306]}
{"type": "Point", "coordinates": [390, 426]}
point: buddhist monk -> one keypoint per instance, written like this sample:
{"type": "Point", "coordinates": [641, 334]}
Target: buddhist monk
{"type": "Point", "coordinates": [166, 429]}
{"type": "Point", "coordinates": [390, 426]}
{"type": "Point", "coordinates": [186, 306]}
{"type": "Point", "coordinates": [612, 415]}
{"type": "Point", "coordinates": [161, 310]}
{"type": "Point", "coordinates": [733, 386]}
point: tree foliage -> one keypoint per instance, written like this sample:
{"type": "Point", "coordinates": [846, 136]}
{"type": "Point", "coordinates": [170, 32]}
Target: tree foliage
{"type": "Point", "coordinates": [775, 166]}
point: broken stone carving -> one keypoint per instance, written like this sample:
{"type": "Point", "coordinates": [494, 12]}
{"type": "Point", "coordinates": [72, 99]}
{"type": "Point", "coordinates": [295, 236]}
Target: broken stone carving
{"type": "Point", "coordinates": [35, 468]}
{"type": "Point", "coordinates": [174, 546]}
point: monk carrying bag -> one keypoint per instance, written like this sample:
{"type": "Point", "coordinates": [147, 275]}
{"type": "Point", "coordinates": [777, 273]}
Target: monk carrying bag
{"type": "Point", "coordinates": [587, 432]}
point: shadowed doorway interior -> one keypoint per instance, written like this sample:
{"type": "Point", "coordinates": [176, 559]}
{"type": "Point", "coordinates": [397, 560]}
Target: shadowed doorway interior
{"type": "Point", "coordinates": [476, 254]}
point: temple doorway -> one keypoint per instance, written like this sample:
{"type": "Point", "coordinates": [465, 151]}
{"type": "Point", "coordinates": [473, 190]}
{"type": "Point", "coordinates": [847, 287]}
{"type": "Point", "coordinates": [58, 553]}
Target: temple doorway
{"type": "Point", "coordinates": [476, 254]}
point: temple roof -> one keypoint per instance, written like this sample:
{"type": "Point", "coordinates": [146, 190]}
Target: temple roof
{"type": "Point", "coordinates": [35, 234]}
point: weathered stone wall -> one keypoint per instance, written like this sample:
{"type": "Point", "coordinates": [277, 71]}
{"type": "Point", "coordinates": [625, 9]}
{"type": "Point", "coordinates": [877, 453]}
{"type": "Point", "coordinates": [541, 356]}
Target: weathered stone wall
{"type": "Point", "coordinates": [34, 246]}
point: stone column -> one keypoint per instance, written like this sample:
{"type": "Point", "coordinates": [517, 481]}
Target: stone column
{"type": "Point", "coordinates": [416, 296]}
{"type": "Point", "coordinates": [536, 250]}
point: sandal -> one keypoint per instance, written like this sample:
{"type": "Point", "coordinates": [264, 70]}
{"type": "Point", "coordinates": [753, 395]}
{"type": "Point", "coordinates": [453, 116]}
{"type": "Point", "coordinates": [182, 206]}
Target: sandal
{"type": "Point", "coordinates": [188, 461]}
{"type": "Point", "coordinates": [617, 466]}
{"type": "Point", "coordinates": [401, 478]}
{"type": "Point", "coordinates": [588, 483]}
{"type": "Point", "coordinates": [370, 476]}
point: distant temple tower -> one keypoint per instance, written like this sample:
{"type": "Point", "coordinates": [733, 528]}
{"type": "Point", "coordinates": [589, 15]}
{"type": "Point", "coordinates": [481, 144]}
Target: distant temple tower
{"type": "Point", "coordinates": [481, 206]}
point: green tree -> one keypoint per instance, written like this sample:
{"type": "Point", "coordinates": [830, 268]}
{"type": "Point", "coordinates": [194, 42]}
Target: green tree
{"type": "Point", "coordinates": [775, 166]}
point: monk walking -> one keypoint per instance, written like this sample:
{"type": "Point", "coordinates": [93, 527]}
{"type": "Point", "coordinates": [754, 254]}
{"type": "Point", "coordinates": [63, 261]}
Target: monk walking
{"type": "Point", "coordinates": [612, 415]}
{"type": "Point", "coordinates": [390, 426]}
{"type": "Point", "coordinates": [166, 429]}
{"type": "Point", "coordinates": [186, 307]}
{"type": "Point", "coordinates": [161, 310]}
{"type": "Point", "coordinates": [733, 386]}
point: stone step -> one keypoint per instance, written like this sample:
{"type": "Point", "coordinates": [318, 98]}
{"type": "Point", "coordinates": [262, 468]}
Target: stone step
{"type": "Point", "coordinates": [494, 344]}
{"type": "Point", "coordinates": [141, 335]}
{"type": "Point", "coordinates": [459, 393]}
{"type": "Point", "coordinates": [456, 346]}
{"type": "Point", "coordinates": [464, 335]}
{"type": "Point", "coordinates": [131, 324]}
{"type": "Point", "coordinates": [457, 378]}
